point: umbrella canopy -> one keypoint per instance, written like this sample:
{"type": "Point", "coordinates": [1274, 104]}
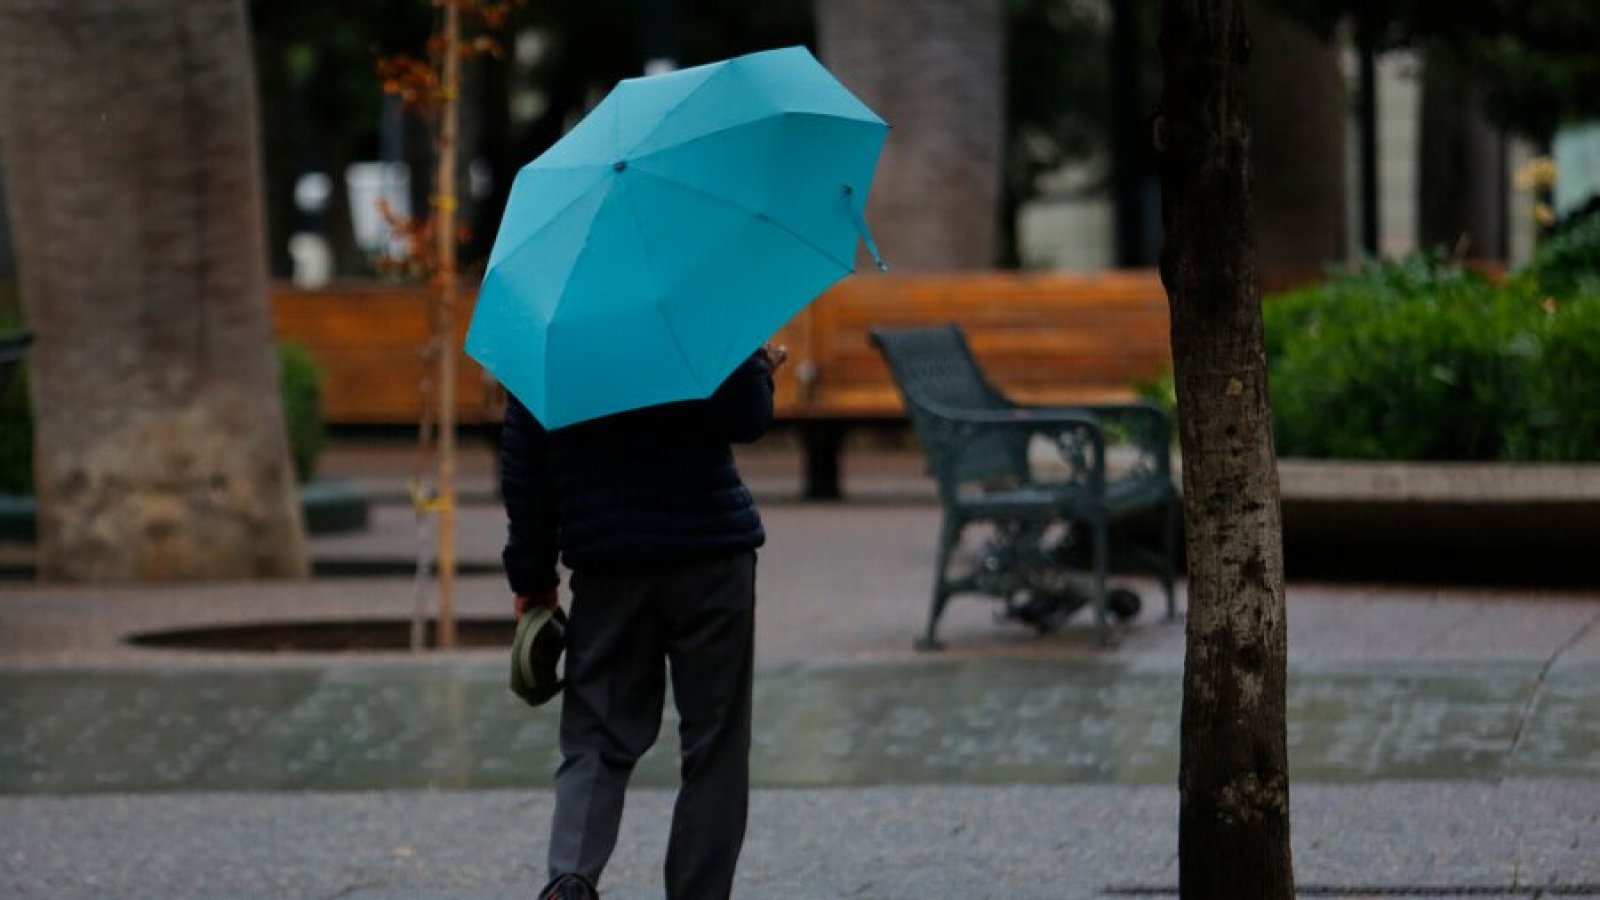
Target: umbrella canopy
{"type": "Point", "coordinates": [673, 231]}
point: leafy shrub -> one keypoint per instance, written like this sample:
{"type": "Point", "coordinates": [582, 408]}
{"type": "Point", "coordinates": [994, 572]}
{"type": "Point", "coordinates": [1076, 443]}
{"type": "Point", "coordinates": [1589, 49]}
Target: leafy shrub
{"type": "Point", "coordinates": [16, 437]}
{"type": "Point", "coordinates": [1162, 390]}
{"type": "Point", "coordinates": [1563, 421]}
{"type": "Point", "coordinates": [1568, 260]}
{"type": "Point", "coordinates": [1416, 359]}
{"type": "Point", "coordinates": [302, 406]}
{"type": "Point", "coordinates": [16, 421]}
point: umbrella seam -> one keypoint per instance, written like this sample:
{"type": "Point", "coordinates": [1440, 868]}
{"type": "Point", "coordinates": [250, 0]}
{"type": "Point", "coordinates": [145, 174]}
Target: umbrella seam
{"type": "Point", "coordinates": [588, 246]}
{"type": "Point", "coordinates": [670, 112]}
{"type": "Point", "coordinates": [754, 214]}
{"type": "Point", "coordinates": [764, 117]}
{"type": "Point", "coordinates": [666, 323]}
{"type": "Point", "coordinates": [554, 217]}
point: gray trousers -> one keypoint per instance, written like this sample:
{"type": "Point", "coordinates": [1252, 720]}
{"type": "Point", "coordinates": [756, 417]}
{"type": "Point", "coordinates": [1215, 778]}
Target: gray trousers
{"type": "Point", "coordinates": [623, 632]}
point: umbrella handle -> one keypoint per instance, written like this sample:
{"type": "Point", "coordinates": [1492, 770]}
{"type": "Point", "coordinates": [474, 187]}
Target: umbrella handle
{"type": "Point", "coordinates": [861, 226]}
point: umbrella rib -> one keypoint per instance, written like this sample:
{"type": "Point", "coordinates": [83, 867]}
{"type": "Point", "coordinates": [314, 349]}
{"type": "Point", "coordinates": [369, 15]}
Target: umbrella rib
{"type": "Point", "coordinates": [554, 217]}
{"type": "Point", "coordinates": [724, 129]}
{"type": "Point", "coordinates": [666, 323]}
{"type": "Point", "coordinates": [758, 216]}
{"type": "Point", "coordinates": [669, 113]}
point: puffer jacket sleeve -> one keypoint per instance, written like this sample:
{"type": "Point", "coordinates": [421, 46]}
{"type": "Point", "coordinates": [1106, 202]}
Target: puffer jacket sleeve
{"type": "Point", "coordinates": [741, 409]}
{"type": "Point", "coordinates": [531, 536]}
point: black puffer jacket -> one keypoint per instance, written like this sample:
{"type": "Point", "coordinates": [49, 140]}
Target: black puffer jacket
{"type": "Point", "coordinates": [635, 490]}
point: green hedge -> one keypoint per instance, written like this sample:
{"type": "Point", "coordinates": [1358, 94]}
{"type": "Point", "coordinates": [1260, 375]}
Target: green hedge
{"type": "Point", "coordinates": [302, 407]}
{"type": "Point", "coordinates": [1418, 359]}
{"type": "Point", "coordinates": [16, 438]}
{"type": "Point", "coordinates": [302, 404]}
{"type": "Point", "coordinates": [1567, 261]}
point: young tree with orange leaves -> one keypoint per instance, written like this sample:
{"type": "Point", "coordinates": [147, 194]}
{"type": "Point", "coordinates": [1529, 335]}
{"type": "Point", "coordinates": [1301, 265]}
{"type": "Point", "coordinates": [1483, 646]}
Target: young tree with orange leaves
{"type": "Point", "coordinates": [431, 86]}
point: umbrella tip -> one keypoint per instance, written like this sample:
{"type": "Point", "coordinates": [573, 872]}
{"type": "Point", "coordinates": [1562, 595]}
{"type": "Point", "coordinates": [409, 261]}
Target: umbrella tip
{"type": "Point", "coordinates": [863, 230]}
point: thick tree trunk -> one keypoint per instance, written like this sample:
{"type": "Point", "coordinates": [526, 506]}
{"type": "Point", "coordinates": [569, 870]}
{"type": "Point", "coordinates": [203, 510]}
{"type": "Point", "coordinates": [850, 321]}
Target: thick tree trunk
{"type": "Point", "coordinates": [1234, 779]}
{"type": "Point", "coordinates": [1297, 115]}
{"type": "Point", "coordinates": [1461, 188]}
{"type": "Point", "coordinates": [129, 135]}
{"type": "Point", "coordinates": [934, 70]}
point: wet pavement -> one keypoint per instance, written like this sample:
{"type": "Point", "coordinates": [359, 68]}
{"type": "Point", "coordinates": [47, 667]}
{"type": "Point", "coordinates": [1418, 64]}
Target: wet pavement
{"type": "Point", "coordinates": [1445, 741]}
{"type": "Point", "coordinates": [443, 727]}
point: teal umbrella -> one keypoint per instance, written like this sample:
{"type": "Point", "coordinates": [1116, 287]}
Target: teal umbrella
{"type": "Point", "coordinates": [690, 215]}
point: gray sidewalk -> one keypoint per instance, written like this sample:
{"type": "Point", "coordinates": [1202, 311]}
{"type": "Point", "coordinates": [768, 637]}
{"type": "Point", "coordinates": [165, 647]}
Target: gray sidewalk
{"type": "Point", "coordinates": [1444, 737]}
{"type": "Point", "coordinates": [898, 843]}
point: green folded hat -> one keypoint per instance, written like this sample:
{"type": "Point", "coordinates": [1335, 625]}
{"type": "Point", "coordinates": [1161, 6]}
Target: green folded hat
{"type": "Point", "coordinates": [535, 651]}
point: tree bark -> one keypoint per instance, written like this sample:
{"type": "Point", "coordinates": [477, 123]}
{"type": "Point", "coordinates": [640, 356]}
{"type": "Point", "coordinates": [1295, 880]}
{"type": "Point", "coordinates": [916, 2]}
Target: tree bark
{"type": "Point", "coordinates": [1233, 778]}
{"type": "Point", "coordinates": [935, 71]}
{"type": "Point", "coordinates": [130, 146]}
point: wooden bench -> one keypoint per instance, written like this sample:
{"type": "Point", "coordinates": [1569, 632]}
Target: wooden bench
{"type": "Point", "coordinates": [368, 338]}
{"type": "Point", "coordinates": [1044, 338]}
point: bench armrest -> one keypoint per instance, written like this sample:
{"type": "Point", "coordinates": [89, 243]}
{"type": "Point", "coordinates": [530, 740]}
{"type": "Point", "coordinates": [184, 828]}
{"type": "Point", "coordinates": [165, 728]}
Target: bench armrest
{"type": "Point", "coordinates": [1144, 425]}
{"type": "Point", "coordinates": [1076, 434]}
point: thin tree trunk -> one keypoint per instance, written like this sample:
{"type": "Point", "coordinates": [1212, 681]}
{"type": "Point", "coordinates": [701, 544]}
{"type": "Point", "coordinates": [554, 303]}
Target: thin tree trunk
{"type": "Point", "coordinates": [1234, 781]}
{"type": "Point", "coordinates": [935, 70]}
{"type": "Point", "coordinates": [444, 324]}
{"type": "Point", "coordinates": [130, 146]}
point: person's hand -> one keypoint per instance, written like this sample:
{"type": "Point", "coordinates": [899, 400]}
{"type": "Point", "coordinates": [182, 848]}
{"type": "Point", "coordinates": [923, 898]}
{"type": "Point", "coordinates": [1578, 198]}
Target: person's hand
{"type": "Point", "coordinates": [549, 600]}
{"type": "Point", "coordinates": [776, 355]}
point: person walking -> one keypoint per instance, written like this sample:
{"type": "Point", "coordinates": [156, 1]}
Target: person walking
{"type": "Point", "coordinates": [650, 515]}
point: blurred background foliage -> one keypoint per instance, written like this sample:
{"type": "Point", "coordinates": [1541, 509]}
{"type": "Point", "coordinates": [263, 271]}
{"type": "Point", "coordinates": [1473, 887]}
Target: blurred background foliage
{"type": "Point", "coordinates": [322, 109]}
{"type": "Point", "coordinates": [1531, 63]}
{"type": "Point", "coordinates": [301, 380]}
{"type": "Point", "coordinates": [16, 419]}
{"type": "Point", "coordinates": [1422, 359]}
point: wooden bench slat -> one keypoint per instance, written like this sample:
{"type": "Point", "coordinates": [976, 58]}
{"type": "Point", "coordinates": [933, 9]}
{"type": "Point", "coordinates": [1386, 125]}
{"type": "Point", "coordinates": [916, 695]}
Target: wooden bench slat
{"type": "Point", "coordinates": [1053, 338]}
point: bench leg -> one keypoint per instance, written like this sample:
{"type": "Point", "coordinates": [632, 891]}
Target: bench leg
{"type": "Point", "coordinates": [1100, 537]}
{"type": "Point", "coordinates": [949, 535]}
{"type": "Point", "coordinates": [822, 443]}
{"type": "Point", "coordinates": [1169, 558]}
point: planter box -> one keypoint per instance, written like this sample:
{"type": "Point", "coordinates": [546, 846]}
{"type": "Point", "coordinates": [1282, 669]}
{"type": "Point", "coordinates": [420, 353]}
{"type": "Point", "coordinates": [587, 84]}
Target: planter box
{"type": "Point", "coordinates": [1449, 522]}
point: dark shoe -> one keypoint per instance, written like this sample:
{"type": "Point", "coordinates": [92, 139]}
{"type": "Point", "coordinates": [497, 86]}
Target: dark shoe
{"type": "Point", "coordinates": [569, 887]}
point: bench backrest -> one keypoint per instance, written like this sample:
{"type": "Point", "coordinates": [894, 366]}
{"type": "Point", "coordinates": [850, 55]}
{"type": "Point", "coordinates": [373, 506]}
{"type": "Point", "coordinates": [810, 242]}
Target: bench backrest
{"type": "Point", "coordinates": [1052, 338]}
{"type": "Point", "coordinates": [1044, 338]}
{"type": "Point", "coordinates": [935, 372]}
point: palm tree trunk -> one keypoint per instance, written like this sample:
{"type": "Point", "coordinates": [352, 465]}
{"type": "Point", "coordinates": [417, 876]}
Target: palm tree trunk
{"type": "Point", "coordinates": [1297, 130]}
{"type": "Point", "coordinates": [1233, 820]}
{"type": "Point", "coordinates": [130, 146]}
{"type": "Point", "coordinates": [935, 71]}
{"type": "Point", "coordinates": [1461, 188]}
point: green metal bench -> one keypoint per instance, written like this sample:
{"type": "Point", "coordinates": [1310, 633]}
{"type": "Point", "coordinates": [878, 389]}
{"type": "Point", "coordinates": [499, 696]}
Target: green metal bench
{"type": "Point", "coordinates": [981, 449]}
